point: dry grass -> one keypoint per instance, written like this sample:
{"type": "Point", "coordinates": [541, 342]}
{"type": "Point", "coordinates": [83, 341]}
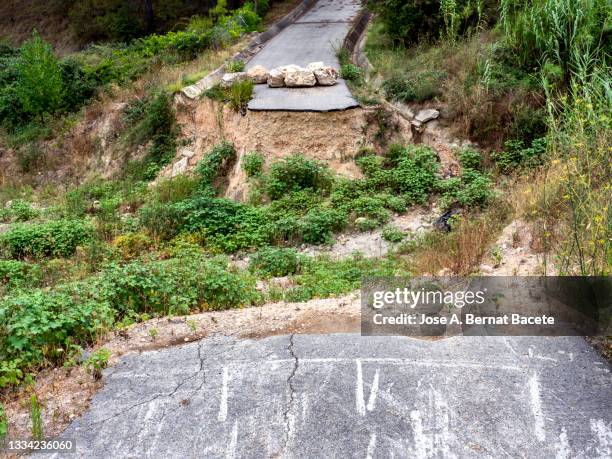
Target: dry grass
{"type": "Point", "coordinates": [462, 250]}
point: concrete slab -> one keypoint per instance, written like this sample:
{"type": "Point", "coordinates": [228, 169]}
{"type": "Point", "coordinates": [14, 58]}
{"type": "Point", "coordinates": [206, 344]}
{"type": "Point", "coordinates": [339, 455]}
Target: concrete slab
{"type": "Point", "coordinates": [351, 396]}
{"type": "Point", "coordinates": [314, 37]}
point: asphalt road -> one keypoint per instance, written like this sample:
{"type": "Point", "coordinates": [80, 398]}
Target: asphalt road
{"type": "Point", "coordinates": [312, 38]}
{"type": "Point", "coordinates": [345, 395]}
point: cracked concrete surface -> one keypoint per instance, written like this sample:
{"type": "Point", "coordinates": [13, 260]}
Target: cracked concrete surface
{"type": "Point", "coordinates": [343, 395]}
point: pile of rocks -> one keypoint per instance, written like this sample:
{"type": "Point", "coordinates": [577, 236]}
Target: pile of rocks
{"type": "Point", "coordinates": [291, 76]}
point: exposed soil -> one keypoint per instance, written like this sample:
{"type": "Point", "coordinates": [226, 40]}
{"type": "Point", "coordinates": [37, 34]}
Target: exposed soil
{"type": "Point", "coordinates": [516, 254]}
{"type": "Point", "coordinates": [333, 137]}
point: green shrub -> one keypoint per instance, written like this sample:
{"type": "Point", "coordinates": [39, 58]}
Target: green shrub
{"type": "Point", "coordinates": [236, 65]}
{"type": "Point", "coordinates": [275, 262]}
{"type": "Point", "coordinates": [39, 86]}
{"type": "Point", "coordinates": [39, 327]}
{"type": "Point", "coordinates": [365, 224]}
{"type": "Point", "coordinates": [18, 274]}
{"type": "Point", "coordinates": [370, 164]}
{"type": "Point", "coordinates": [393, 234]}
{"type": "Point", "coordinates": [470, 159]}
{"type": "Point", "coordinates": [296, 173]}
{"type": "Point", "coordinates": [253, 164]}
{"type": "Point", "coordinates": [477, 189]}
{"type": "Point", "coordinates": [414, 173]}
{"type": "Point", "coordinates": [57, 238]}
{"type": "Point", "coordinates": [413, 21]}
{"type": "Point", "coordinates": [97, 362]}
{"type": "Point", "coordinates": [323, 277]}
{"type": "Point", "coordinates": [211, 166]}
{"type": "Point", "coordinates": [175, 286]}
{"type": "Point", "coordinates": [516, 155]}
{"type": "Point", "coordinates": [351, 72]}
{"type": "Point", "coordinates": [18, 211]}
{"type": "Point", "coordinates": [319, 224]}
{"type": "Point", "coordinates": [370, 207]}
{"type": "Point", "coordinates": [132, 244]}
{"type": "Point", "coordinates": [472, 189]}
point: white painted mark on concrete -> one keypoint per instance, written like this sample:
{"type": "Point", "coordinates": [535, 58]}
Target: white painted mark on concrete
{"type": "Point", "coordinates": [305, 407]}
{"type": "Point", "coordinates": [222, 416]}
{"type": "Point", "coordinates": [536, 407]}
{"type": "Point", "coordinates": [373, 392]}
{"type": "Point", "coordinates": [359, 400]}
{"type": "Point", "coordinates": [563, 447]}
{"type": "Point", "coordinates": [371, 447]}
{"type": "Point", "coordinates": [603, 433]}
{"type": "Point", "coordinates": [231, 448]}
{"type": "Point", "coordinates": [359, 396]}
{"type": "Point", "coordinates": [420, 440]}
{"type": "Point", "coordinates": [509, 346]}
{"type": "Point", "coordinates": [543, 357]}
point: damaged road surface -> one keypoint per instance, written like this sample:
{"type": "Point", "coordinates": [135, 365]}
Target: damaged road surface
{"type": "Point", "coordinates": [346, 395]}
{"type": "Point", "coordinates": [312, 38]}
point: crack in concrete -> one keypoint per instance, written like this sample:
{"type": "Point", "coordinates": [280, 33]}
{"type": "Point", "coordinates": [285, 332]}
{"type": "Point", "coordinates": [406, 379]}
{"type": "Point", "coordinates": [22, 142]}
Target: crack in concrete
{"type": "Point", "coordinates": [288, 424]}
{"type": "Point", "coordinates": [163, 394]}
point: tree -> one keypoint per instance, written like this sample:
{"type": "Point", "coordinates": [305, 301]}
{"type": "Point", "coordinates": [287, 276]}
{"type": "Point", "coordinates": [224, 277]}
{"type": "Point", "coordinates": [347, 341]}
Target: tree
{"type": "Point", "coordinates": [39, 86]}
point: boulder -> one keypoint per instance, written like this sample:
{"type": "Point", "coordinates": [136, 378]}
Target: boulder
{"type": "Point", "coordinates": [296, 77]}
{"type": "Point", "coordinates": [426, 115]}
{"type": "Point", "coordinates": [315, 66]}
{"type": "Point", "coordinates": [326, 76]}
{"type": "Point", "coordinates": [276, 78]}
{"type": "Point", "coordinates": [258, 74]}
{"type": "Point", "coordinates": [231, 78]}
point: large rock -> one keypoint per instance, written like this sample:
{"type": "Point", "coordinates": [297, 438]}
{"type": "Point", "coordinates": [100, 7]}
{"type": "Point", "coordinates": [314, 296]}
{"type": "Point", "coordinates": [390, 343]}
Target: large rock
{"type": "Point", "coordinates": [231, 78]}
{"type": "Point", "coordinates": [258, 74]}
{"type": "Point", "coordinates": [426, 115]}
{"type": "Point", "coordinates": [276, 78]}
{"type": "Point", "coordinates": [296, 77]}
{"type": "Point", "coordinates": [326, 76]}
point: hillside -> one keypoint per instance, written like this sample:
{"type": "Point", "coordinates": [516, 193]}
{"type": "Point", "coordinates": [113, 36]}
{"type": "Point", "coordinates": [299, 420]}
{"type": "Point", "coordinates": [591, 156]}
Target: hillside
{"type": "Point", "coordinates": [156, 191]}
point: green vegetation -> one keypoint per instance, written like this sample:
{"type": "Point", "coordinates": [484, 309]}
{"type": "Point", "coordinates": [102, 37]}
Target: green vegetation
{"type": "Point", "coordinates": [528, 80]}
{"type": "Point", "coordinates": [533, 92]}
{"type": "Point", "coordinates": [393, 234]}
{"type": "Point", "coordinates": [56, 238]}
{"type": "Point", "coordinates": [275, 262]}
{"type": "Point", "coordinates": [36, 418]}
{"type": "Point", "coordinates": [35, 85]}
{"type": "Point", "coordinates": [3, 424]}
{"type": "Point", "coordinates": [253, 164]}
{"type": "Point", "coordinates": [97, 362]}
